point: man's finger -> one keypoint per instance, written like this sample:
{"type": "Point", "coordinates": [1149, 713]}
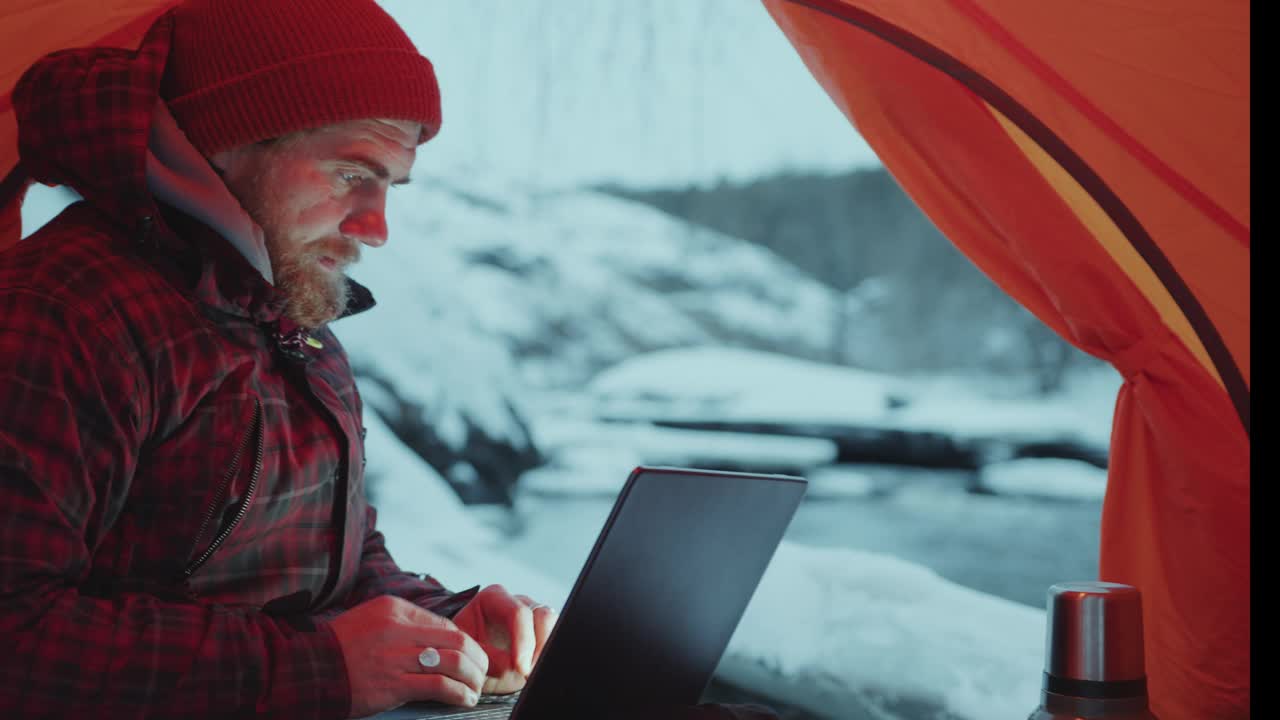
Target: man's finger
{"type": "Point", "coordinates": [420, 616]}
{"type": "Point", "coordinates": [501, 604]}
{"type": "Point", "coordinates": [448, 637]}
{"type": "Point", "coordinates": [431, 630]}
{"type": "Point", "coordinates": [441, 688]}
{"type": "Point", "coordinates": [450, 663]}
{"type": "Point", "coordinates": [544, 621]}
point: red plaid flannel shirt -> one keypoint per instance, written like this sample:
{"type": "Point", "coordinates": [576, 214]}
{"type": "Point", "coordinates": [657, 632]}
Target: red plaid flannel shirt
{"type": "Point", "coordinates": [152, 407]}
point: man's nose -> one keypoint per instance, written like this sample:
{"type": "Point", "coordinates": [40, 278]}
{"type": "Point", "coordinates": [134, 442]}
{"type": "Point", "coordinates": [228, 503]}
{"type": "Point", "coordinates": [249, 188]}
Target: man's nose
{"type": "Point", "coordinates": [366, 224]}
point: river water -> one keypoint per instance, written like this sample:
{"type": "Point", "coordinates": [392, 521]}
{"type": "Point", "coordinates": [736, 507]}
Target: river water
{"type": "Point", "coordinates": [1011, 547]}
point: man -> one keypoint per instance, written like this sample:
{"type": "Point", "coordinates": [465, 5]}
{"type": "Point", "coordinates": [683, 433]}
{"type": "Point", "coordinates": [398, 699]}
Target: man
{"type": "Point", "coordinates": [183, 530]}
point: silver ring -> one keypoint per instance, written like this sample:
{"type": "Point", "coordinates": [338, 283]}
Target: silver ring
{"type": "Point", "coordinates": [429, 658]}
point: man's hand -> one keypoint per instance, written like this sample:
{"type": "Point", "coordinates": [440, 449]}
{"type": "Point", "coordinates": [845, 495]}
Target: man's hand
{"type": "Point", "coordinates": [512, 630]}
{"type": "Point", "coordinates": [381, 639]}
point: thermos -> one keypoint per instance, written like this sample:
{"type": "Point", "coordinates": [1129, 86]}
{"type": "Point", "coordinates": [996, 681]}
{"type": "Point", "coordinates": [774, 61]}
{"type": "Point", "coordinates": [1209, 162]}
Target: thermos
{"type": "Point", "coordinates": [1094, 665]}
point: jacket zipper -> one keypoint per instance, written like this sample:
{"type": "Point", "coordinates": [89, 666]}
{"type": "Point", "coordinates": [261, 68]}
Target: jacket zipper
{"type": "Point", "coordinates": [255, 431]}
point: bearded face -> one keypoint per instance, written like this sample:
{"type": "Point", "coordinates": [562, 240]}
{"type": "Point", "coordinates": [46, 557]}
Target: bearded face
{"type": "Point", "coordinates": [318, 196]}
{"type": "Point", "coordinates": [313, 284]}
{"type": "Point", "coordinates": [309, 271]}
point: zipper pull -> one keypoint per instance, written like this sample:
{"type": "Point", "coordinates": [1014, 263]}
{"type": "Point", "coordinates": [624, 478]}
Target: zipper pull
{"type": "Point", "coordinates": [291, 342]}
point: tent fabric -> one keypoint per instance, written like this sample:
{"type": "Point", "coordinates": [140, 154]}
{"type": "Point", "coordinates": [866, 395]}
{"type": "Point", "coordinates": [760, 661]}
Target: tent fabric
{"type": "Point", "coordinates": [1092, 159]}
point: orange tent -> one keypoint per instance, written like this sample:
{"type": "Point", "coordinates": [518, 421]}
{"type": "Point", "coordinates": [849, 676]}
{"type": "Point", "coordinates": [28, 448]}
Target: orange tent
{"type": "Point", "coordinates": [1092, 158]}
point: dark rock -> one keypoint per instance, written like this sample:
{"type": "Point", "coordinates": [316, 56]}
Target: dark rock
{"type": "Point", "coordinates": [483, 471]}
{"type": "Point", "coordinates": [917, 448]}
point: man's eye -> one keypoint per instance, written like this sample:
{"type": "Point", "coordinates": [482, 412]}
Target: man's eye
{"type": "Point", "coordinates": [351, 178]}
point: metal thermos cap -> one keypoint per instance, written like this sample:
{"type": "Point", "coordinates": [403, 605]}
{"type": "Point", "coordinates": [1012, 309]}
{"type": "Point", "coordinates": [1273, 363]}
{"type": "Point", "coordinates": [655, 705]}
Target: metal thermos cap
{"type": "Point", "coordinates": [1094, 632]}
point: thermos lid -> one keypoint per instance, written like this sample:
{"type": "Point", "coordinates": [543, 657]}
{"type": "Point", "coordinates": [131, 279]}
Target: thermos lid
{"type": "Point", "coordinates": [1094, 632]}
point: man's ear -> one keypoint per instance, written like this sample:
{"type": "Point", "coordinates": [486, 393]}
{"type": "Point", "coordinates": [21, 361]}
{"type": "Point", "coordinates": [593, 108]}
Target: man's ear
{"type": "Point", "coordinates": [234, 161]}
{"type": "Point", "coordinates": [221, 161]}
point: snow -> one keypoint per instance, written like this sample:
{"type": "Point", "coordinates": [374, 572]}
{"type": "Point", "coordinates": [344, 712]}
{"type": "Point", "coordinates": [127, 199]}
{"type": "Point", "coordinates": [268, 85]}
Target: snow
{"type": "Point", "coordinates": [831, 626]}
{"type": "Point", "coordinates": [825, 626]}
{"type": "Point", "coordinates": [744, 385]}
{"type": "Point", "coordinates": [428, 530]}
{"type": "Point", "coordinates": [494, 288]}
{"type": "Point", "coordinates": [828, 626]}
{"type": "Point", "coordinates": [663, 92]}
{"type": "Point", "coordinates": [1050, 478]}
{"type": "Point", "coordinates": [963, 409]}
{"type": "Point", "coordinates": [754, 386]}
{"type": "Point", "coordinates": [862, 626]}
{"type": "Point", "coordinates": [601, 455]}
{"type": "Point", "coordinates": [832, 482]}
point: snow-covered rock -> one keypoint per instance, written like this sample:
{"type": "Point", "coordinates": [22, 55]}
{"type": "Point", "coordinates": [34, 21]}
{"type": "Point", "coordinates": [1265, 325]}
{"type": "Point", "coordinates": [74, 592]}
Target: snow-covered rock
{"type": "Point", "coordinates": [741, 385]}
{"type": "Point", "coordinates": [566, 284]}
{"type": "Point", "coordinates": [873, 635]}
{"type": "Point", "coordinates": [596, 458]}
{"type": "Point", "coordinates": [487, 289]}
{"type": "Point", "coordinates": [1046, 478]}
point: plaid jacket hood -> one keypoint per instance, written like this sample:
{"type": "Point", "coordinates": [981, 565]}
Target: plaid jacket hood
{"type": "Point", "coordinates": [181, 474]}
{"type": "Point", "coordinates": [83, 121]}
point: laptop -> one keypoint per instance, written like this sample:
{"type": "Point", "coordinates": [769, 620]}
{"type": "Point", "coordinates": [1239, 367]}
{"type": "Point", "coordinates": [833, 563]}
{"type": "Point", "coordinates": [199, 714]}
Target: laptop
{"type": "Point", "coordinates": [653, 608]}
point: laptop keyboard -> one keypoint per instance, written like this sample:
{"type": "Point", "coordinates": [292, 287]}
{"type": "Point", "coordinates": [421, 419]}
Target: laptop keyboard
{"type": "Point", "coordinates": [491, 707]}
{"type": "Point", "coordinates": [496, 712]}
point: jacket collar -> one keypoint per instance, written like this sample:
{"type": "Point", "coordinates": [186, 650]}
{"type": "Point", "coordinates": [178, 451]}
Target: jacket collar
{"type": "Point", "coordinates": [223, 278]}
{"type": "Point", "coordinates": [178, 175]}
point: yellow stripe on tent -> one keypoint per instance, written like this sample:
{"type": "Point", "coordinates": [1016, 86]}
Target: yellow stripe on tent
{"type": "Point", "coordinates": [1105, 231]}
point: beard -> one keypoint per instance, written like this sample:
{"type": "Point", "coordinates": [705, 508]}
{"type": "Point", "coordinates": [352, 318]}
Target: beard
{"type": "Point", "coordinates": [314, 295]}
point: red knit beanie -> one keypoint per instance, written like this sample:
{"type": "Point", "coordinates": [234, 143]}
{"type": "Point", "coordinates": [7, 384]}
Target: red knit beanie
{"type": "Point", "coordinates": [240, 71]}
